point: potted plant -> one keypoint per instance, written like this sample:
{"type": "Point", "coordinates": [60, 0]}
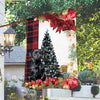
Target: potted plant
{"type": "Point", "coordinates": [95, 90]}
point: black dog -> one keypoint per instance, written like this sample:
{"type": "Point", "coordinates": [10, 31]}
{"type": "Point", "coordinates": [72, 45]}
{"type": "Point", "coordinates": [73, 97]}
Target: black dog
{"type": "Point", "coordinates": [37, 69]}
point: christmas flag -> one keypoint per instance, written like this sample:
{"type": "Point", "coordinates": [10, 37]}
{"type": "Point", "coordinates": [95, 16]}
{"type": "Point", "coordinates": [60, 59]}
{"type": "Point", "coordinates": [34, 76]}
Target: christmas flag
{"type": "Point", "coordinates": [51, 60]}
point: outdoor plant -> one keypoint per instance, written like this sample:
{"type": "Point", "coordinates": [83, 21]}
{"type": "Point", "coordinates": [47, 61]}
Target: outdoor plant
{"type": "Point", "coordinates": [45, 98]}
{"type": "Point", "coordinates": [87, 76]}
{"type": "Point", "coordinates": [95, 90]}
{"type": "Point", "coordinates": [9, 91]}
{"type": "Point", "coordinates": [78, 88]}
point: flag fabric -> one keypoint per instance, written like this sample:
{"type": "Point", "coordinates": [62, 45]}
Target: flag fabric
{"type": "Point", "coordinates": [32, 43]}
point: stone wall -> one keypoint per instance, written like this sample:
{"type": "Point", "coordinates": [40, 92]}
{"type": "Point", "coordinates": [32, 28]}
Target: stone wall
{"type": "Point", "coordinates": [85, 92]}
{"type": "Point", "coordinates": [2, 15]}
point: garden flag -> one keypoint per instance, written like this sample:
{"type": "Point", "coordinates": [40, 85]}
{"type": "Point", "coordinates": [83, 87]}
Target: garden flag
{"type": "Point", "coordinates": [51, 60]}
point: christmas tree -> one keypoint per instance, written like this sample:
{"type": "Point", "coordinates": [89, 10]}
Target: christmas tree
{"type": "Point", "coordinates": [49, 58]}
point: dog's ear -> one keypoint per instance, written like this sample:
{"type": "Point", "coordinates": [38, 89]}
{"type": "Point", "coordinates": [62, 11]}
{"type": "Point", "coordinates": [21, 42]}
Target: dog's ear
{"type": "Point", "coordinates": [30, 53]}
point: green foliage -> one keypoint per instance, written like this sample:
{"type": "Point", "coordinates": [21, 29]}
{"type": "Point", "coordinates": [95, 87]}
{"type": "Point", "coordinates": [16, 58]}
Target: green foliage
{"type": "Point", "coordinates": [95, 90]}
{"type": "Point", "coordinates": [73, 54]}
{"type": "Point", "coordinates": [22, 10]}
{"type": "Point", "coordinates": [9, 91]}
{"type": "Point", "coordinates": [88, 42]}
{"type": "Point", "coordinates": [46, 98]}
{"type": "Point", "coordinates": [87, 76]}
{"type": "Point", "coordinates": [6, 83]}
{"type": "Point", "coordinates": [49, 58]}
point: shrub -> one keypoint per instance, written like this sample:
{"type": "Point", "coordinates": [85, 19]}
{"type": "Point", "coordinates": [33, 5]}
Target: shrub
{"type": "Point", "coordinates": [46, 98]}
{"type": "Point", "coordinates": [95, 90]}
{"type": "Point", "coordinates": [87, 76]}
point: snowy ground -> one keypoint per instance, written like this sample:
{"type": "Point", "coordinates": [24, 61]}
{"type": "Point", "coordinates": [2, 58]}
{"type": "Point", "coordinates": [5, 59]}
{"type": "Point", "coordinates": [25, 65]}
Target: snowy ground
{"type": "Point", "coordinates": [73, 98]}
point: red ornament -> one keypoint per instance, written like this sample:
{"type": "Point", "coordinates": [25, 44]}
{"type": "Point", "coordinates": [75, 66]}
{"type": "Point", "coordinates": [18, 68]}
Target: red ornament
{"type": "Point", "coordinates": [56, 82]}
{"type": "Point", "coordinates": [57, 87]}
{"type": "Point", "coordinates": [53, 80]}
{"type": "Point", "coordinates": [73, 83]}
{"type": "Point", "coordinates": [39, 82]}
{"type": "Point", "coordinates": [46, 83]}
{"type": "Point", "coordinates": [69, 34]}
{"type": "Point", "coordinates": [63, 83]}
{"type": "Point", "coordinates": [71, 14]}
{"type": "Point", "coordinates": [47, 79]}
{"type": "Point", "coordinates": [73, 44]}
{"type": "Point", "coordinates": [42, 17]}
{"type": "Point", "coordinates": [33, 82]}
{"type": "Point", "coordinates": [56, 78]}
{"type": "Point", "coordinates": [41, 87]}
{"type": "Point", "coordinates": [67, 80]}
{"type": "Point", "coordinates": [90, 65]}
{"type": "Point", "coordinates": [30, 83]}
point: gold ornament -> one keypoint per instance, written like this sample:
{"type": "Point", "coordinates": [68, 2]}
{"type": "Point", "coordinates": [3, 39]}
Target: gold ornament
{"type": "Point", "coordinates": [71, 63]}
{"type": "Point", "coordinates": [26, 84]}
{"type": "Point", "coordinates": [36, 85]}
{"type": "Point", "coordinates": [71, 75]}
{"type": "Point", "coordinates": [33, 86]}
{"type": "Point", "coordinates": [75, 72]}
{"type": "Point", "coordinates": [65, 12]}
{"type": "Point", "coordinates": [66, 87]}
{"type": "Point", "coordinates": [71, 69]}
{"type": "Point", "coordinates": [74, 35]}
{"type": "Point", "coordinates": [60, 79]}
{"type": "Point", "coordinates": [30, 87]}
{"type": "Point", "coordinates": [35, 19]}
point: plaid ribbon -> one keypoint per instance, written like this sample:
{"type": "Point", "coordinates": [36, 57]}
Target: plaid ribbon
{"type": "Point", "coordinates": [32, 43]}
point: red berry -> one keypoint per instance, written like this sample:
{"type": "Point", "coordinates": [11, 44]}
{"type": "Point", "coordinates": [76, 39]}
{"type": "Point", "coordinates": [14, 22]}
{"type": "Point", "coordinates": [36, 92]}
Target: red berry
{"type": "Point", "coordinates": [42, 17]}
{"type": "Point", "coordinates": [69, 34]}
{"type": "Point", "coordinates": [73, 44]}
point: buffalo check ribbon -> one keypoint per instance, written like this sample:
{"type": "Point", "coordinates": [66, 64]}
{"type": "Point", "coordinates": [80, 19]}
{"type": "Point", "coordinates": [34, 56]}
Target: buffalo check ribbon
{"type": "Point", "coordinates": [32, 43]}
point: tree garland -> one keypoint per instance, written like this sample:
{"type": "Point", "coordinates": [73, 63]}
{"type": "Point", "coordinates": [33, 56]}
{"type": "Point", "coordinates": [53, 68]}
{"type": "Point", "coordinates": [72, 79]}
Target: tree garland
{"type": "Point", "coordinates": [66, 21]}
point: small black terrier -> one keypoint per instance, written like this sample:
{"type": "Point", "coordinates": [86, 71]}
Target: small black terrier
{"type": "Point", "coordinates": [37, 69]}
